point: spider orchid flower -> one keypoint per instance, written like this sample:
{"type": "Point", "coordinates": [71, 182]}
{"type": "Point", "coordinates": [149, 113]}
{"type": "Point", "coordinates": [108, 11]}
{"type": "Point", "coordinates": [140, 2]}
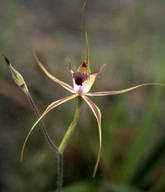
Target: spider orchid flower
{"type": "Point", "coordinates": [82, 83]}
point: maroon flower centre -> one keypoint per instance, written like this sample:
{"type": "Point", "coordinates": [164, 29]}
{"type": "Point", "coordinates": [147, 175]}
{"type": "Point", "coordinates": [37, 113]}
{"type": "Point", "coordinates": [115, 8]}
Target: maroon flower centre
{"type": "Point", "coordinates": [79, 78]}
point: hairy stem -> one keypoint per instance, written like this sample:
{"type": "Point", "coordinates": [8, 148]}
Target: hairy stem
{"type": "Point", "coordinates": [31, 101]}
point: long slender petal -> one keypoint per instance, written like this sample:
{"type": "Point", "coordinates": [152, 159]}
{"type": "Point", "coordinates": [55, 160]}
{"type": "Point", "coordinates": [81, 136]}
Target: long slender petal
{"type": "Point", "coordinates": [104, 93]}
{"type": "Point", "coordinates": [97, 114]}
{"type": "Point", "coordinates": [66, 86]}
{"type": "Point", "coordinates": [87, 48]}
{"type": "Point", "coordinates": [50, 107]}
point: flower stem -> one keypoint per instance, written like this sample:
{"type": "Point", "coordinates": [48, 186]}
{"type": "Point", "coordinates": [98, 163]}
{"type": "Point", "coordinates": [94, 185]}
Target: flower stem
{"type": "Point", "coordinates": [60, 172]}
{"type": "Point", "coordinates": [71, 128]}
{"type": "Point", "coordinates": [31, 101]}
{"type": "Point", "coordinates": [64, 142]}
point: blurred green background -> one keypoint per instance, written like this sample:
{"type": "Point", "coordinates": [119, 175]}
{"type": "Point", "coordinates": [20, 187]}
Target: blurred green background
{"type": "Point", "coordinates": [127, 35]}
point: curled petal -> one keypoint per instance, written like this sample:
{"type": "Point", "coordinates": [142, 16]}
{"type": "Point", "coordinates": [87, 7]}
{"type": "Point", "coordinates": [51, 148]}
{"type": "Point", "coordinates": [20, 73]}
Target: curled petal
{"type": "Point", "coordinates": [104, 93]}
{"type": "Point", "coordinates": [97, 114]}
{"type": "Point", "coordinates": [85, 85]}
{"type": "Point", "coordinates": [50, 107]}
{"type": "Point", "coordinates": [66, 86]}
{"type": "Point", "coordinates": [82, 83]}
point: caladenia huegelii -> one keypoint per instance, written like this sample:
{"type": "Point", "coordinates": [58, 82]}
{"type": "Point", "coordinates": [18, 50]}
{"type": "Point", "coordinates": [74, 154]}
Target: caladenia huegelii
{"type": "Point", "coordinates": [82, 83]}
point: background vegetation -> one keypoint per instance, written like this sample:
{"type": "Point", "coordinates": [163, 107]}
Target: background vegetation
{"type": "Point", "coordinates": [127, 35]}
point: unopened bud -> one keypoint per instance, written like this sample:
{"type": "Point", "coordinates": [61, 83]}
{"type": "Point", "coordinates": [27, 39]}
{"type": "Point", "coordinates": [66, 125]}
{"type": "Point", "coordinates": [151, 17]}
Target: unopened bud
{"type": "Point", "coordinates": [17, 77]}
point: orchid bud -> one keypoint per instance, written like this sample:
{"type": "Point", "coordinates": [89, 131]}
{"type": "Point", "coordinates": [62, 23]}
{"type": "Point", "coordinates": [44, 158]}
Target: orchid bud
{"type": "Point", "coordinates": [17, 77]}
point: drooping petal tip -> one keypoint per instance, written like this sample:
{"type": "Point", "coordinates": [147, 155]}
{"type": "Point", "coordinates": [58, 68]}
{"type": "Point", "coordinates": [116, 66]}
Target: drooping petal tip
{"type": "Point", "coordinates": [97, 113]}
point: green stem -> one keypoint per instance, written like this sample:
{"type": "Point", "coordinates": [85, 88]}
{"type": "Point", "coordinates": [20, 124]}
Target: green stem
{"type": "Point", "coordinates": [60, 172]}
{"type": "Point", "coordinates": [64, 142]}
{"type": "Point", "coordinates": [71, 128]}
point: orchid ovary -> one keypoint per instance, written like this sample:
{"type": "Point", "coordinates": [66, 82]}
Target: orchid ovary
{"type": "Point", "coordinates": [82, 83]}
